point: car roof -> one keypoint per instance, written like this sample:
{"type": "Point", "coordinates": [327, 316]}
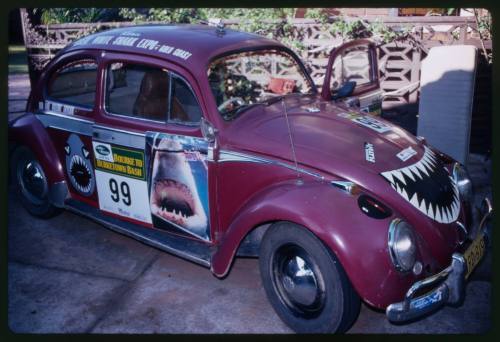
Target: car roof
{"type": "Point", "coordinates": [190, 45]}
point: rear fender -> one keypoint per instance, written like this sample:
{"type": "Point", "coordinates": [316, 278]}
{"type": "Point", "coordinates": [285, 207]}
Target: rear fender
{"type": "Point", "coordinates": [27, 130]}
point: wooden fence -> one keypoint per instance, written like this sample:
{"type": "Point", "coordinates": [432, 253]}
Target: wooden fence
{"type": "Point", "coordinates": [399, 62]}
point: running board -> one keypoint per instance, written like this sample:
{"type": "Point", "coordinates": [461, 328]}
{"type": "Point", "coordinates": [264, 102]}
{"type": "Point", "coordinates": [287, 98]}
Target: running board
{"type": "Point", "coordinates": [191, 250]}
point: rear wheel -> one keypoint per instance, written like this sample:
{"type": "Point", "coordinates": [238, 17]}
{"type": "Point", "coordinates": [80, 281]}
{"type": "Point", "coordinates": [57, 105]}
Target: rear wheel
{"type": "Point", "coordinates": [31, 183]}
{"type": "Point", "coordinates": [304, 281]}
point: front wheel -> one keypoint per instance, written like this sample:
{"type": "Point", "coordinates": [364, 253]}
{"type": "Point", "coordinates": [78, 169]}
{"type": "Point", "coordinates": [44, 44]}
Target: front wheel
{"type": "Point", "coordinates": [304, 281]}
{"type": "Point", "coordinates": [31, 183]}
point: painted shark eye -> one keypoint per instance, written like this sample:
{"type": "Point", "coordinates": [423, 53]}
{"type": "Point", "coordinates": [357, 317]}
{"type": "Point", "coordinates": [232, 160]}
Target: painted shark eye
{"type": "Point", "coordinates": [85, 152]}
{"type": "Point", "coordinates": [67, 149]}
{"type": "Point", "coordinates": [373, 208]}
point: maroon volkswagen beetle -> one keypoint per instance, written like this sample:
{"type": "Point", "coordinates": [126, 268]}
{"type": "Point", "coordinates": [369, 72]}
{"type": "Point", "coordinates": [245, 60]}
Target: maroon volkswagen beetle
{"type": "Point", "coordinates": [210, 144]}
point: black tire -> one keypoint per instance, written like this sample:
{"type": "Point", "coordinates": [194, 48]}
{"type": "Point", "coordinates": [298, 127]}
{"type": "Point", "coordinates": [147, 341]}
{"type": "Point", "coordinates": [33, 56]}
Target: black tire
{"type": "Point", "coordinates": [31, 183]}
{"type": "Point", "coordinates": [317, 297]}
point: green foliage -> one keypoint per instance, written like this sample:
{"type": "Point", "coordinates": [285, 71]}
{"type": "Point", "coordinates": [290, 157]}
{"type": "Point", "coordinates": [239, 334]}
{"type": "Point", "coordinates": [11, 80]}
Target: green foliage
{"type": "Point", "coordinates": [274, 23]}
{"type": "Point", "coordinates": [168, 15]}
{"type": "Point", "coordinates": [77, 15]}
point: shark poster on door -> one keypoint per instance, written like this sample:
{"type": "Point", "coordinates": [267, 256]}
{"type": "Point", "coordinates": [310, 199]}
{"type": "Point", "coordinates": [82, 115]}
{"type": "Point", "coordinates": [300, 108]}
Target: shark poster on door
{"type": "Point", "coordinates": [178, 183]}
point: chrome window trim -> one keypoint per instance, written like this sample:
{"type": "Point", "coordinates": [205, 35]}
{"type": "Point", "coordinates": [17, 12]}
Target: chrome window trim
{"type": "Point", "coordinates": [232, 156]}
{"type": "Point", "coordinates": [97, 126]}
{"type": "Point", "coordinates": [65, 123]}
{"type": "Point", "coordinates": [65, 116]}
{"type": "Point", "coordinates": [119, 137]}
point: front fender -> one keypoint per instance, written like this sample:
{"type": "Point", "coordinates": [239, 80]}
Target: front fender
{"type": "Point", "coordinates": [27, 130]}
{"type": "Point", "coordinates": [358, 241]}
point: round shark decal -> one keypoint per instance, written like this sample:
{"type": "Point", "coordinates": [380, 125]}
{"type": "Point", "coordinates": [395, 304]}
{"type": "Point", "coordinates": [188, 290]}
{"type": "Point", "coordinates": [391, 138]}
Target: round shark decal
{"type": "Point", "coordinates": [78, 166]}
{"type": "Point", "coordinates": [428, 186]}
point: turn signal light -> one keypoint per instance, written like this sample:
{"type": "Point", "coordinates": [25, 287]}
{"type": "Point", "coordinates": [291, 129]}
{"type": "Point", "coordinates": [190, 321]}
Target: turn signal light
{"type": "Point", "coordinates": [373, 208]}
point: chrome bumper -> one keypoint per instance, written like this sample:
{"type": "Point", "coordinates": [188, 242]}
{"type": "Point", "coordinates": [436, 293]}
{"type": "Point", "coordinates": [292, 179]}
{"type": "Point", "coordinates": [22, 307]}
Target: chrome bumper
{"type": "Point", "coordinates": [450, 290]}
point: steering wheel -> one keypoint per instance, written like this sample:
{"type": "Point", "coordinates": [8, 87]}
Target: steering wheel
{"type": "Point", "coordinates": [226, 103]}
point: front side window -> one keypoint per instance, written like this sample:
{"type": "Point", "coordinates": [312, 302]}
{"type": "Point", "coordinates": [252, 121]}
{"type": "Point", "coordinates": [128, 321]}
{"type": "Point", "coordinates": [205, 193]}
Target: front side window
{"type": "Point", "coordinates": [137, 91]}
{"type": "Point", "coordinates": [75, 83]}
{"type": "Point", "coordinates": [244, 79]}
{"type": "Point", "coordinates": [149, 92]}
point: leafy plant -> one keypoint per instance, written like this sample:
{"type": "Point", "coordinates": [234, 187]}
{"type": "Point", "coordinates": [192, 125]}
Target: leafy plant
{"type": "Point", "coordinates": [77, 15]}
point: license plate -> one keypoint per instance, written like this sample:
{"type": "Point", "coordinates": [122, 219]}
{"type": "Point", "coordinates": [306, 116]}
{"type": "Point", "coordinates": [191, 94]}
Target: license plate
{"type": "Point", "coordinates": [474, 253]}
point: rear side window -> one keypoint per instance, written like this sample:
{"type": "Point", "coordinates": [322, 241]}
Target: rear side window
{"type": "Point", "coordinates": [137, 90]}
{"type": "Point", "coordinates": [75, 83]}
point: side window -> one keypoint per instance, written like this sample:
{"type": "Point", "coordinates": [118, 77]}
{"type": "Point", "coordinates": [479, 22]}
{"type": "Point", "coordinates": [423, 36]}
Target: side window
{"type": "Point", "coordinates": [353, 64]}
{"type": "Point", "coordinates": [137, 90]}
{"type": "Point", "coordinates": [184, 107]}
{"type": "Point", "coordinates": [75, 83]}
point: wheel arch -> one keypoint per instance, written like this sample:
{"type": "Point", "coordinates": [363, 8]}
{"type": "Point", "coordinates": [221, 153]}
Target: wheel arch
{"type": "Point", "coordinates": [267, 207]}
{"type": "Point", "coordinates": [358, 242]}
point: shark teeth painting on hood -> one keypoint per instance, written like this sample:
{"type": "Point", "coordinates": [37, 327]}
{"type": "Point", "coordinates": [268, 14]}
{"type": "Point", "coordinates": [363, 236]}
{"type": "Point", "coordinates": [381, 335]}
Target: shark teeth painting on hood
{"type": "Point", "coordinates": [427, 186]}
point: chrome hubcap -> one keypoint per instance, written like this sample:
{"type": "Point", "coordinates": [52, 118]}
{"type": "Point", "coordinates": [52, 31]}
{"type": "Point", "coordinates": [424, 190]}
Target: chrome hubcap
{"type": "Point", "coordinates": [298, 281]}
{"type": "Point", "coordinates": [32, 181]}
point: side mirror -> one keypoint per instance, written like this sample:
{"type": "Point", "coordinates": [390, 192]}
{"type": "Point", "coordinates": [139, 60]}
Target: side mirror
{"type": "Point", "coordinates": [208, 131]}
{"type": "Point", "coordinates": [345, 90]}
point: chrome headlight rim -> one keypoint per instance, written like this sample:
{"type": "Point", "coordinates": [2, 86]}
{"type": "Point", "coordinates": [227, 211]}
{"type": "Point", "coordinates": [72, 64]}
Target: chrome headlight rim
{"type": "Point", "coordinates": [463, 181]}
{"type": "Point", "coordinates": [392, 240]}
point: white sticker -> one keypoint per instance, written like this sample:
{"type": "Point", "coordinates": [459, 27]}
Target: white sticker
{"type": "Point", "coordinates": [123, 196]}
{"type": "Point", "coordinates": [372, 123]}
{"type": "Point", "coordinates": [369, 152]}
{"type": "Point", "coordinates": [367, 121]}
{"type": "Point", "coordinates": [103, 151]}
{"type": "Point", "coordinates": [406, 154]}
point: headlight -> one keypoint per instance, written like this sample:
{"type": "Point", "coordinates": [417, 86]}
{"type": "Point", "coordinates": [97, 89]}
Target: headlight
{"type": "Point", "coordinates": [402, 245]}
{"type": "Point", "coordinates": [462, 179]}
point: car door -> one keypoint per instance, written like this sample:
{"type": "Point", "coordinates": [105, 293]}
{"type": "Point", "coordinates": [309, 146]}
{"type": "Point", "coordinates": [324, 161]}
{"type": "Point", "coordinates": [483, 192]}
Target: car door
{"type": "Point", "coordinates": [67, 108]}
{"type": "Point", "coordinates": [150, 155]}
{"type": "Point", "coordinates": [352, 76]}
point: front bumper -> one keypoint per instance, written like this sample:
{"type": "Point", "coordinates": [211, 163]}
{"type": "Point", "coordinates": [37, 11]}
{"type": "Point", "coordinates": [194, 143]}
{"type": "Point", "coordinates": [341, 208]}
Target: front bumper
{"type": "Point", "coordinates": [450, 285]}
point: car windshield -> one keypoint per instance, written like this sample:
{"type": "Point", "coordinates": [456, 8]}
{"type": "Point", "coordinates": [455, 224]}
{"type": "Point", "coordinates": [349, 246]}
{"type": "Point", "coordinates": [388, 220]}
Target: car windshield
{"type": "Point", "coordinates": [243, 80]}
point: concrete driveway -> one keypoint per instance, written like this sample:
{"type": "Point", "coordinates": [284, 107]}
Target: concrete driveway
{"type": "Point", "coordinates": [71, 275]}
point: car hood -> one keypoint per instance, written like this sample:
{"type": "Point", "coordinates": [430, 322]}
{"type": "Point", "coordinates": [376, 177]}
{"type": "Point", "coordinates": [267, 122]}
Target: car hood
{"type": "Point", "coordinates": [325, 136]}
{"type": "Point", "coordinates": [360, 148]}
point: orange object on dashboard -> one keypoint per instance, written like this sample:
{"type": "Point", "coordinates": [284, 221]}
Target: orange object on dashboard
{"type": "Point", "coordinates": [281, 85]}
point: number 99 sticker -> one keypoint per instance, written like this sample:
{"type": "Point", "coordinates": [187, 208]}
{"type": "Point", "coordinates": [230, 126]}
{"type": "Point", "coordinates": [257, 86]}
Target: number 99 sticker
{"type": "Point", "coordinates": [123, 196]}
{"type": "Point", "coordinates": [121, 182]}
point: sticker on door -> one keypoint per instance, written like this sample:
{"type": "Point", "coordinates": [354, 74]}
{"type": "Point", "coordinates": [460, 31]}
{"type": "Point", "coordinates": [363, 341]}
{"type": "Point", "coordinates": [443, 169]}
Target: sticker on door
{"type": "Point", "coordinates": [121, 181]}
{"type": "Point", "coordinates": [179, 183]}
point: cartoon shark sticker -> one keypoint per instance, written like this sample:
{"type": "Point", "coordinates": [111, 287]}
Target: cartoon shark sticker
{"type": "Point", "coordinates": [78, 166]}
